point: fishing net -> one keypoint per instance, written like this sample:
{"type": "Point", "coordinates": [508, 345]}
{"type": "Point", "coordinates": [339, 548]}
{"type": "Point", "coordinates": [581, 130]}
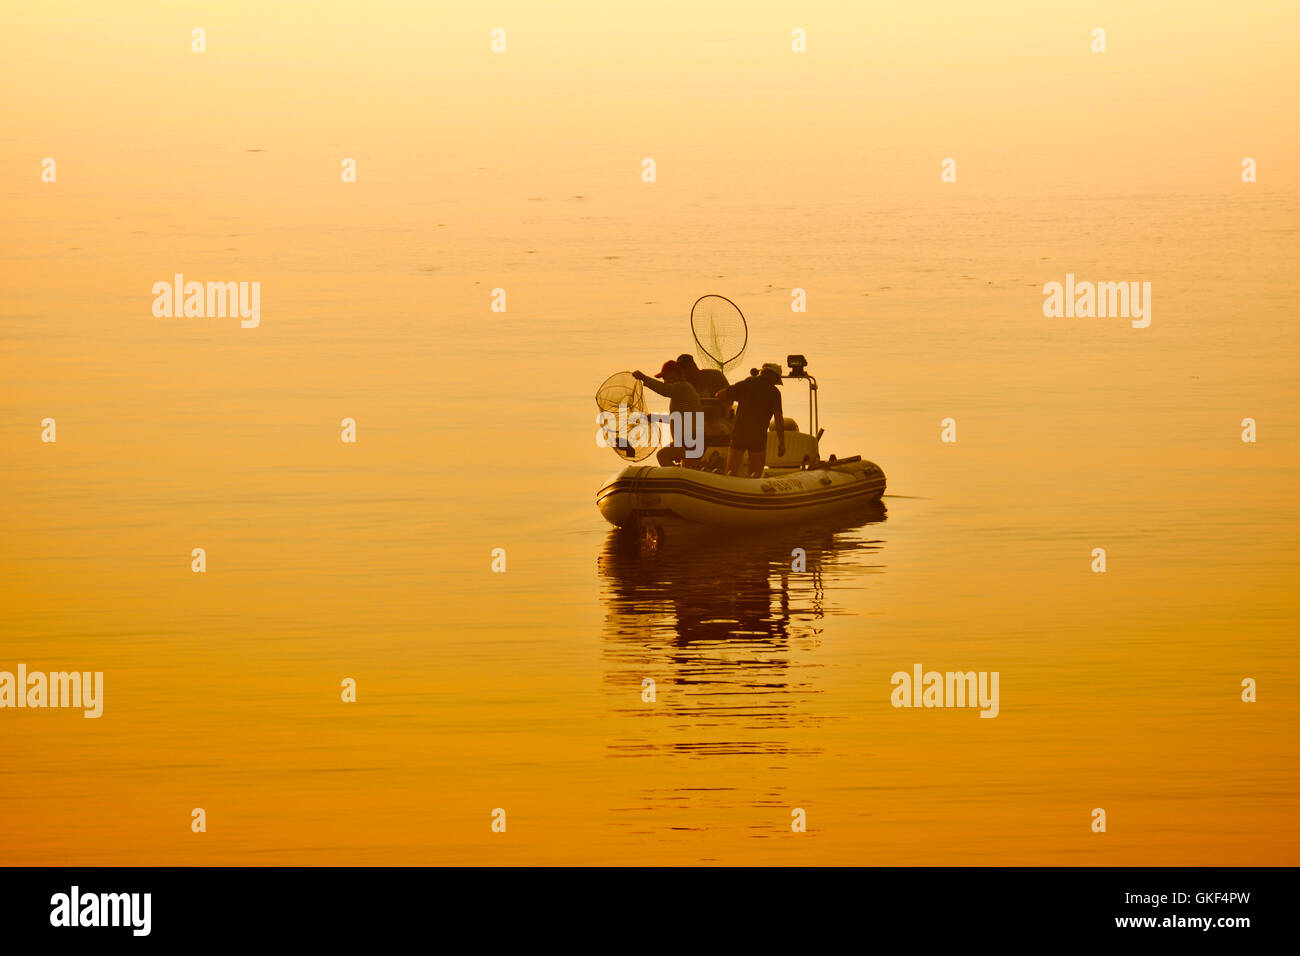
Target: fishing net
{"type": "Point", "coordinates": [627, 429]}
{"type": "Point", "coordinates": [720, 332]}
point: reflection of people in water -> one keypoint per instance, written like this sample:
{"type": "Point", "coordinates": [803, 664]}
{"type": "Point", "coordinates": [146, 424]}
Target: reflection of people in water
{"type": "Point", "coordinates": [721, 621]}
{"type": "Point", "coordinates": [702, 593]}
{"type": "Point", "coordinates": [708, 586]}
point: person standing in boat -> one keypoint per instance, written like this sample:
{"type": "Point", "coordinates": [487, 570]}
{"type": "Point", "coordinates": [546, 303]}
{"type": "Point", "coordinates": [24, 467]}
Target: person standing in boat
{"type": "Point", "coordinates": [757, 402]}
{"type": "Point", "coordinates": [708, 382]}
{"type": "Point", "coordinates": [685, 410]}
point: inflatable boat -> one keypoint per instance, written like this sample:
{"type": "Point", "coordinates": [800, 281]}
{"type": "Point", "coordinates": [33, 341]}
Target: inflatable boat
{"type": "Point", "coordinates": [641, 492]}
{"type": "Point", "coordinates": [796, 486]}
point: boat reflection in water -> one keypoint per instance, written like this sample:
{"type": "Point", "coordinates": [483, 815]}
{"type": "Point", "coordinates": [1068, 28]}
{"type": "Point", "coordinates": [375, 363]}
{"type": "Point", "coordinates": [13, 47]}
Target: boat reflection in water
{"type": "Point", "coordinates": [727, 625]}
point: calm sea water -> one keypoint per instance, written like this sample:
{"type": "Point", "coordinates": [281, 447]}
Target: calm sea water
{"type": "Point", "coordinates": [523, 690]}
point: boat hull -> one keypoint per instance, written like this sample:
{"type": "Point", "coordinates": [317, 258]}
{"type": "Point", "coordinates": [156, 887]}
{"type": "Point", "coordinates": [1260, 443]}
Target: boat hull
{"type": "Point", "coordinates": [677, 494]}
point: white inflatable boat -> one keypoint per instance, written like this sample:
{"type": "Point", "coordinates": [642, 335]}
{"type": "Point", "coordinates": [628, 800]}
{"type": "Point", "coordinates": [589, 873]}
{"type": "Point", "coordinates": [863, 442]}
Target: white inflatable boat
{"type": "Point", "coordinates": [641, 492]}
{"type": "Point", "coordinates": [796, 486]}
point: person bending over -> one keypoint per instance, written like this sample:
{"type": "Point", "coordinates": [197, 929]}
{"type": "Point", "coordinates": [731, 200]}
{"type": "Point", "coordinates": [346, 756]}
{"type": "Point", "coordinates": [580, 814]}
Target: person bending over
{"type": "Point", "coordinates": [683, 403]}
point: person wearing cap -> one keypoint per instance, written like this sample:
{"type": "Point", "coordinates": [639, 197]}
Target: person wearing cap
{"type": "Point", "coordinates": [757, 402]}
{"type": "Point", "coordinates": [683, 401]}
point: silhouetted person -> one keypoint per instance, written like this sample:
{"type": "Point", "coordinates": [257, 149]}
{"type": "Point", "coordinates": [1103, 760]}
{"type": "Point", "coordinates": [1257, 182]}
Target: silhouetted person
{"type": "Point", "coordinates": [684, 401]}
{"type": "Point", "coordinates": [757, 402]}
{"type": "Point", "coordinates": [708, 382]}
